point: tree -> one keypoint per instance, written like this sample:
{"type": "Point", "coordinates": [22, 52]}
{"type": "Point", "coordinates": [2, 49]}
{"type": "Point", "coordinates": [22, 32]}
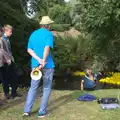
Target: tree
{"type": "Point", "coordinates": [60, 14]}
{"type": "Point", "coordinates": [39, 7]}
{"type": "Point", "coordinates": [100, 19]}
{"type": "Point", "coordinates": [13, 14]}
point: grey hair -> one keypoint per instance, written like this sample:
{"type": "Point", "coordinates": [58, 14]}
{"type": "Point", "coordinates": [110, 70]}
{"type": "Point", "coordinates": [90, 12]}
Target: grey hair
{"type": "Point", "coordinates": [45, 26]}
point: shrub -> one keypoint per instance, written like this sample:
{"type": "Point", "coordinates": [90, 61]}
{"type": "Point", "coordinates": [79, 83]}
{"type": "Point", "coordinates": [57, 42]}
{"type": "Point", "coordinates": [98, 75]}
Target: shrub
{"type": "Point", "coordinates": [60, 27]}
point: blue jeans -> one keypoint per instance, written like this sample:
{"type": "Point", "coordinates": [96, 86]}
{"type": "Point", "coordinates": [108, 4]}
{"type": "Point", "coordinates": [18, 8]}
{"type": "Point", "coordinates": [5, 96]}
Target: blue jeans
{"type": "Point", "coordinates": [47, 84]}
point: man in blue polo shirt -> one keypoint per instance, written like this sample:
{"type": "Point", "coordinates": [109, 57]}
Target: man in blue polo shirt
{"type": "Point", "coordinates": [39, 45]}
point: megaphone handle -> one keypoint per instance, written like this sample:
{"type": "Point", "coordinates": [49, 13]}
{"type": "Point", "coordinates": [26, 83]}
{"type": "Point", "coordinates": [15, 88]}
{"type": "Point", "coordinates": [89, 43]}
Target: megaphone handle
{"type": "Point", "coordinates": [39, 67]}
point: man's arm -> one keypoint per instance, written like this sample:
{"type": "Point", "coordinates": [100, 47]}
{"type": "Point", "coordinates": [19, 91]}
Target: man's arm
{"type": "Point", "coordinates": [33, 54]}
{"type": "Point", "coordinates": [82, 85]}
{"type": "Point", "coordinates": [48, 46]}
{"type": "Point", "coordinates": [6, 56]}
{"type": "Point", "coordinates": [46, 53]}
{"type": "Point", "coordinates": [30, 50]}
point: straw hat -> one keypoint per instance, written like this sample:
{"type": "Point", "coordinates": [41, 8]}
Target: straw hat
{"type": "Point", "coordinates": [46, 20]}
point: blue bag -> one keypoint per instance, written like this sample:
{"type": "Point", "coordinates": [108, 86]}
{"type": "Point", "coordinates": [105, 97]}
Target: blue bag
{"type": "Point", "coordinates": [86, 97]}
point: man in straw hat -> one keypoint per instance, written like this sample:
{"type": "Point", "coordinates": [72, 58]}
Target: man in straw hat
{"type": "Point", "coordinates": [39, 45]}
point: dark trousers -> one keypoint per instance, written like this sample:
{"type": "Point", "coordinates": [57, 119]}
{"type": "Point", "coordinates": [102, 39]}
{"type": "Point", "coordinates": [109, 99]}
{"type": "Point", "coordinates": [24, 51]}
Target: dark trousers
{"type": "Point", "coordinates": [3, 77]}
{"type": "Point", "coordinates": [9, 78]}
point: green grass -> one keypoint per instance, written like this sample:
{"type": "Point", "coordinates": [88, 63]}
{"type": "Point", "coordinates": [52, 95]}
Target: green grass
{"type": "Point", "coordinates": [64, 106]}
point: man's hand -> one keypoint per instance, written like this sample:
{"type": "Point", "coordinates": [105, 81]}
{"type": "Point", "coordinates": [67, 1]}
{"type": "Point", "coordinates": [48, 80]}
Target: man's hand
{"type": "Point", "coordinates": [13, 60]}
{"type": "Point", "coordinates": [39, 67]}
{"type": "Point", "coordinates": [8, 62]}
{"type": "Point", "coordinates": [40, 61]}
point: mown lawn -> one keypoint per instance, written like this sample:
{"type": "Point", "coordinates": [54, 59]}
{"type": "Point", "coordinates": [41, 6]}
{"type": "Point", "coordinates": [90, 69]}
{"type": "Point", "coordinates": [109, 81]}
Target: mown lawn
{"type": "Point", "coordinates": [64, 106]}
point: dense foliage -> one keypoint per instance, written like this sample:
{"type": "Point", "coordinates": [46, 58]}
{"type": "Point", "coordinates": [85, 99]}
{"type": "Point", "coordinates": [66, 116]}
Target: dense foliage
{"type": "Point", "coordinates": [12, 13]}
{"type": "Point", "coordinates": [99, 20]}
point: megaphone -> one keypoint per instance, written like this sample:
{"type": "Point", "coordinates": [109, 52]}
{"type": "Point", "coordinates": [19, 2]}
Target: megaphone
{"type": "Point", "coordinates": [36, 74]}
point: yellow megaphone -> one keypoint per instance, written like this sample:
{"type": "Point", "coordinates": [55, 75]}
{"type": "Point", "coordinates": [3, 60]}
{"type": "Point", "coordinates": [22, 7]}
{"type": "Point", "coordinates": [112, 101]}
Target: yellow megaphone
{"type": "Point", "coordinates": [36, 74]}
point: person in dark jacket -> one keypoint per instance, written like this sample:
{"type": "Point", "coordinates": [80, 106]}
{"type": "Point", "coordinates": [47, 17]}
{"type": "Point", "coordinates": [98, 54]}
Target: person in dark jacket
{"type": "Point", "coordinates": [9, 75]}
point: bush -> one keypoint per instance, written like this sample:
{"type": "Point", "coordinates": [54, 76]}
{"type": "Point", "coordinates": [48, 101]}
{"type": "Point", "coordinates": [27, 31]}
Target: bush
{"type": "Point", "coordinates": [60, 14]}
{"type": "Point", "coordinates": [57, 27]}
{"type": "Point", "coordinates": [101, 21]}
{"type": "Point", "coordinates": [70, 53]}
{"type": "Point", "coordinates": [66, 26]}
{"type": "Point", "coordinates": [12, 14]}
{"type": "Point", "coordinates": [60, 27]}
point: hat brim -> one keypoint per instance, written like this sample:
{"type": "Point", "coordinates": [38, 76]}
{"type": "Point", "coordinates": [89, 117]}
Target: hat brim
{"type": "Point", "coordinates": [44, 23]}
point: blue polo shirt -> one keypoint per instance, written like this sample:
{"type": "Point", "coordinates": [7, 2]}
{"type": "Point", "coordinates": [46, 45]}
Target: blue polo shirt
{"type": "Point", "coordinates": [38, 40]}
{"type": "Point", "coordinates": [89, 83]}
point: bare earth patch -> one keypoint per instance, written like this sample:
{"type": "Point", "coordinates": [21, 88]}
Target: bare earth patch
{"type": "Point", "coordinates": [72, 32]}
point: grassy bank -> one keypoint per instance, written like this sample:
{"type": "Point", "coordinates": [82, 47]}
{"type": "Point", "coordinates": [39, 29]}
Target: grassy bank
{"type": "Point", "coordinates": [64, 106]}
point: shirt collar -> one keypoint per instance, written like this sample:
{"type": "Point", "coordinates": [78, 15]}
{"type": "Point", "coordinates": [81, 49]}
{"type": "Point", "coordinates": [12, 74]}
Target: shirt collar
{"type": "Point", "coordinates": [4, 37]}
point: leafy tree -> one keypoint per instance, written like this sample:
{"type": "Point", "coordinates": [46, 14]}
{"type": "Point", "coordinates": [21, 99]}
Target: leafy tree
{"type": "Point", "coordinates": [71, 52]}
{"type": "Point", "coordinates": [40, 7]}
{"type": "Point", "coordinates": [13, 14]}
{"type": "Point", "coordinates": [60, 14]}
{"type": "Point", "coordinates": [101, 21]}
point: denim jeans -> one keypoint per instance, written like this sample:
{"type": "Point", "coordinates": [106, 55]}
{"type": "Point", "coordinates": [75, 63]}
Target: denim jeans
{"type": "Point", "coordinates": [47, 84]}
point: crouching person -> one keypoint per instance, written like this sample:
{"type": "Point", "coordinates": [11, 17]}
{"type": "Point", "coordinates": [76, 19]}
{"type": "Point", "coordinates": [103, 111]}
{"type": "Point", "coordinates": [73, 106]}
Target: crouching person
{"type": "Point", "coordinates": [89, 80]}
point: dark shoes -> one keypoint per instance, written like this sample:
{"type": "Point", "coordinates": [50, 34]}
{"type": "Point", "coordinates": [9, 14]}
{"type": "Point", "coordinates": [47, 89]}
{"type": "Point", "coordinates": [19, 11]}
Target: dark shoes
{"type": "Point", "coordinates": [7, 96]}
{"type": "Point", "coordinates": [16, 95]}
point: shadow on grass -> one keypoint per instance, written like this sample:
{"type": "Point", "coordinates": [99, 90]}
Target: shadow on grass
{"type": "Point", "coordinates": [75, 85]}
{"type": "Point", "coordinates": [61, 101]}
{"type": "Point", "coordinates": [11, 103]}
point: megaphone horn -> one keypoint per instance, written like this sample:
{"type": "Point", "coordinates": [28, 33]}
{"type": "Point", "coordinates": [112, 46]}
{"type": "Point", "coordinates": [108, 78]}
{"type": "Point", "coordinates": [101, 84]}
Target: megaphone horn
{"type": "Point", "coordinates": [36, 74]}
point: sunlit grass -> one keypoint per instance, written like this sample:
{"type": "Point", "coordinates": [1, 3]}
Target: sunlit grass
{"type": "Point", "coordinates": [63, 105]}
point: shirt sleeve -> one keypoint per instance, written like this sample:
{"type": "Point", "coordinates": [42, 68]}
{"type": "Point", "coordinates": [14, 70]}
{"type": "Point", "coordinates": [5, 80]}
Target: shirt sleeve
{"type": "Point", "coordinates": [50, 41]}
{"type": "Point", "coordinates": [3, 53]}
